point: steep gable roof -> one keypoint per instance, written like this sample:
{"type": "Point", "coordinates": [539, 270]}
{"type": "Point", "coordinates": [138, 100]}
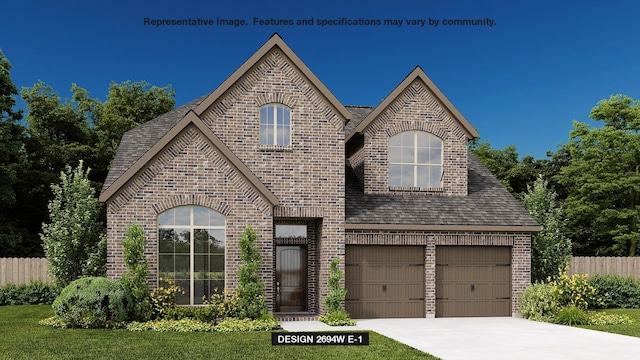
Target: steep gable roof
{"type": "Point", "coordinates": [274, 42]}
{"type": "Point", "coordinates": [488, 207]}
{"type": "Point", "coordinates": [137, 141]}
{"type": "Point", "coordinates": [189, 119]}
{"type": "Point", "coordinates": [416, 74]}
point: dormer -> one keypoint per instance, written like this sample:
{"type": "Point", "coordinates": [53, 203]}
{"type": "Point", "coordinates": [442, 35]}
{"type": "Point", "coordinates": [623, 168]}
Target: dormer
{"type": "Point", "coordinates": [414, 141]}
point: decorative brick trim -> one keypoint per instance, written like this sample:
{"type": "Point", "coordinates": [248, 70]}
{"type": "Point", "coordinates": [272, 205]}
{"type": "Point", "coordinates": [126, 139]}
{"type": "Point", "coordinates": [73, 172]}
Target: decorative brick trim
{"type": "Point", "coordinates": [275, 97]}
{"type": "Point", "coordinates": [435, 129]}
{"type": "Point", "coordinates": [298, 212]}
{"type": "Point", "coordinates": [192, 199]}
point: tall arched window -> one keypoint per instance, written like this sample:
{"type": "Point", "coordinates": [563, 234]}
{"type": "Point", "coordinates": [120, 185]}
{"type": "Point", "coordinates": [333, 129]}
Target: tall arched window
{"type": "Point", "coordinates": [415, 159]}
{"type": "Point", "coordinates": [191, 241]}
{"type": "Point", "coordinates": [275, 125]}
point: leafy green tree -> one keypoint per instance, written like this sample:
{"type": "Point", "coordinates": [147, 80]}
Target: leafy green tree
{"type": "Point", "coordinates": [513, 173]}
{"type": "Point", "coordinates": [74, 239]}
{"type": "Point", "coordinates": [13, 162]}
{"type": "Point", "coordinates": [62, 133]}
{"type": "Point", "coordinates": [128, 105]}
{"type": "Point", "coordinates": [250, 292]}
{"type": "Point", "coordinates": [135, 279]}
{"type": "Point", "coordinates": [550, 248]}
{"type": "Point", "coordinates": [603, 179]}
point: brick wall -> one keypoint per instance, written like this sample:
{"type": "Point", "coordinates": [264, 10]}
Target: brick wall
{"type": "Point", "coordinates": [307, 177]}
{"type": "Point", "coordinates": [307, 174]}
{"type": "Point", "coordinates": [189, 172]}
{"type": "Point", "coordinates": [520, 255]}
{"type": "Point", "coordinates": [415, 109]}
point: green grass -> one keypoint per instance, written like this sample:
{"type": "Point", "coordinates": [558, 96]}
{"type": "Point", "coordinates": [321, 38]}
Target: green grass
{"type": "Point", "coordinates": [21, 337]}
{"type": "Point", "coordinates": [629, 329]}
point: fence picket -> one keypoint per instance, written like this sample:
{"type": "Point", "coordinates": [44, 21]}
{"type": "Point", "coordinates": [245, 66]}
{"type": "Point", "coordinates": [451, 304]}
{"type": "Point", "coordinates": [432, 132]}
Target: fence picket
{"type": "Point", "coordinates": [23, 270]}
{"type": "Point", "coordinates": [605, 265]}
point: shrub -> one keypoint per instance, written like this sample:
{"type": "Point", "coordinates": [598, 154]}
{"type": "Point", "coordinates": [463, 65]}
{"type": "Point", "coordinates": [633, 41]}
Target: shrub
{"type": "Point", "coordinates": [615, 291]}
{"type": "Point", "coordinates": [251, 300]}
{"type": "Point", "coordinates": [92, 302]}
{"type": "Point", "coordinates": [36, 292]}
{"type": "Point", "coordinates": [335, 315]}
{"type": "Point", "coordinates": [226, 304]}
{"type": "Point", "coordinates": [163, 298]}
{"type": "Point", "coordinates": [135, 279]}
{"type": "Point", "coordinates": [572, 315]}
{"type": "Point", "coordinates": [265, 323]}
{"type": "Point", "coordinates": [337, 318]}
{"type": "Point", "coordinates": [182, 325]}
{"type": "Point", "coordinates": [573, 290]}
{"type": "Point", "coordinates": [74, 241]}
{"type": "Point", "coordinates": [602, 318]}
{"type": "Point", "coordinates": [537, 303]}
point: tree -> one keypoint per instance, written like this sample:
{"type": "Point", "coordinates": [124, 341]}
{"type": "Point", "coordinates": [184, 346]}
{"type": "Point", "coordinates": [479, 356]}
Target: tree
{"type": "Point", "coordinates": [74, 239]}
{"type": "Point", "coordinates": [128, 105]}
{"type": "Point", "coordinates": [62, 133]}
{"type": "Point", "coordinates": [250, 292]}
{"type": "Point", "coordinates": [513, 173]}
{"type": "Point", "coordinates": [550, 248]}
{"type": "Point", "coordinates": [13, 162]}
{"type": "Point", "coordinates": [603, 179]}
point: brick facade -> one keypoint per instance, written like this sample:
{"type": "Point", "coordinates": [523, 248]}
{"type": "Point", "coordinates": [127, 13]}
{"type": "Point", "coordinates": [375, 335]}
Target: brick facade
{"type": "Point", "coordinates": [415, 109]}
{"type": "Point", "coordinates": [307, 177]}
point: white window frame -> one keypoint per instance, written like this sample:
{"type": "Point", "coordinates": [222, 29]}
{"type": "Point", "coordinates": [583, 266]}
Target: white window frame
{"type": "Point", "coordinates": [415, 164]}
{"type": "Point", "coordinates": [273, 140]}
{"type": "Point", "coordinates": [192, 228]}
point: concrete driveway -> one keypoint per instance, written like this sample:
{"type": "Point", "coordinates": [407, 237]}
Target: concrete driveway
{"type": "Point", "coordinates": [492, 338]}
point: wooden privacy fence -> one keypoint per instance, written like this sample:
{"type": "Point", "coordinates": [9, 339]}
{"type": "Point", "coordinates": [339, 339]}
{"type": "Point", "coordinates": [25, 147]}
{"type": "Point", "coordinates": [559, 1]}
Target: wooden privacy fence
{"type": "Point", "coordinates": [605, 265]}
{"type": "Point", "coordinates": [23, 270]}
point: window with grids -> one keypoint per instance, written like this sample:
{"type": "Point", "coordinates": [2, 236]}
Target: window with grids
{"type": "Point", "coordinates": [415, 159]}
{"type": "Point", "coordinates": [191, 243]}
{"type": "Point", "coordinates": [275, 125]}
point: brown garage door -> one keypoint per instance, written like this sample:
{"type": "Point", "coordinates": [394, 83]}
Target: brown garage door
{"type": "Point", "coordinates": [384, 281]}
{"type": "Point", "coordinates": [473, 281]}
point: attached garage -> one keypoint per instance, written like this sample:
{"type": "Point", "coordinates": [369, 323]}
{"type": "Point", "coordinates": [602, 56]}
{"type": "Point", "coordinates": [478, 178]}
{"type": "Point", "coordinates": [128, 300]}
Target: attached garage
{"type": "Point", "coordinates": [473, 281]}
{"type": "Point", "coordinates": [385, 281]}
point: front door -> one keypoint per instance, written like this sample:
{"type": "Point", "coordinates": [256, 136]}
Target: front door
{"type": "Point", "coordinates": [291, 278]}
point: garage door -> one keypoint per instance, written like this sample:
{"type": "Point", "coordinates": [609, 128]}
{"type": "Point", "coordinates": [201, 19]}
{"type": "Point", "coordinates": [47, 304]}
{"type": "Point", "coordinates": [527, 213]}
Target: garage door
{"type": "Point", "coordinates": [473, 281]}
{"type": "Point", "coordinates": [384, 281]}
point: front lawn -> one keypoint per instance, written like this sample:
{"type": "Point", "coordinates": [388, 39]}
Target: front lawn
{"type": "Point", "coordinates": [21, 337]}
{"type": "Point", "coordinates": [629, 329]}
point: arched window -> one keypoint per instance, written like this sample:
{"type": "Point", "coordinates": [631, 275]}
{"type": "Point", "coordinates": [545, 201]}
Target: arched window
{"type": "Point", "coordinates": [275, 125]}
{"type": "Point", "coordinates": [191, 242]}
{"type": "Point", "coordinates": [415, 159]}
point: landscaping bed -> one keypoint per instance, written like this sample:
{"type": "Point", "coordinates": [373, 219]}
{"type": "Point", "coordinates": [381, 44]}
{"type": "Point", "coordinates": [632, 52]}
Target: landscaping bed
{"type": "Point", "coordinates": [23, 338]}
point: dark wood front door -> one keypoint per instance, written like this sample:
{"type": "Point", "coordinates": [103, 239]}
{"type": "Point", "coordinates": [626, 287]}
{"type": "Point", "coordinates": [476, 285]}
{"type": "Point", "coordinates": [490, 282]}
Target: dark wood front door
{"type": "Point", "coordinates": [291, 278]}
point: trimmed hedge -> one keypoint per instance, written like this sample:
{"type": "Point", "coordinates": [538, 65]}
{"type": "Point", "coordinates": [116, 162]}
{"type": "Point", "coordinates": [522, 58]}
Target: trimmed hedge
{"type": "Point", "coordinates": [92, 302]}
{"type": "Point", "coordinates": [34, 293]}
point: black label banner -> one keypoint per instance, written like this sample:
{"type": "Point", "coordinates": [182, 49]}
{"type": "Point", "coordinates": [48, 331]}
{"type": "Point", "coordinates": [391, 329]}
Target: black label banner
{"type": "Point", "coordinates": [319, 338]}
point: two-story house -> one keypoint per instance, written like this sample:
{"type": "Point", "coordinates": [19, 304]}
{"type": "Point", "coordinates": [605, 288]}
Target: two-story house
{"type": "Point", "coordinates": [423, 229]}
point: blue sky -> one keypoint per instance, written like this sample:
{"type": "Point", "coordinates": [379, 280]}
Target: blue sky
{"type": "Point", "coordinates": [522, 81]}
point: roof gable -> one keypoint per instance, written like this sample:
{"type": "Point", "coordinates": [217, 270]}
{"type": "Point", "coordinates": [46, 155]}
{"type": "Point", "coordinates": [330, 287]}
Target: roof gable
{"type": "Point", "coordinates": [274, 42]}
{"type": "Point", "coordinates": [416, 74]}
{"type": "Point", "coordinates": [189, 119]}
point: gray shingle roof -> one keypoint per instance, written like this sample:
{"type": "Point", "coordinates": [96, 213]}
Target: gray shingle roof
{"type": "Point", "coordinates": [358, 113]}
{"type": "Point", "coordinates": [136, 142]}
{"type": "Point", "coordinates": [488, 204]}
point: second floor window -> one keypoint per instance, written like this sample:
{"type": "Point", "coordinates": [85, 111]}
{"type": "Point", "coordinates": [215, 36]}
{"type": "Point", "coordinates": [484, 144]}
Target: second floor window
{"type": "Point", "coordinates": [275, 125]}
{"type": "Point", "coordinates": [415, 159]}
